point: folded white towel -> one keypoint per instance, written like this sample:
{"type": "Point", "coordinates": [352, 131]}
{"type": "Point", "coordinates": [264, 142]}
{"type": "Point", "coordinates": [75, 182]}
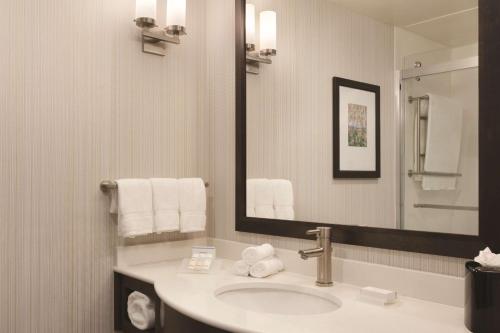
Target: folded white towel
{"type": "Point", "coordinates": [192, 204]}
{"type": "Point", "coordinates": [264, 198]}
{"type": "Point", "coordinates": [165, 204]}
{"type": "Point", "coordinates": [141, 311]}
{"type": "Point", "coordinates": [241, 268]}
{"type": "Point", "coordinates": [488, 259]}
{"type": "Point", "coordinates": [250, 197]}
{"type": "Point", "coordinates": [266, 267]}
{"type": "Point", "coordinates": [253, 254]}
{"type": "Point", "coordinates": [135, 207]}
{"type": "Point", "coordinates": [283, 199]}
{"type": "Point", "coordinates": [443, 142]}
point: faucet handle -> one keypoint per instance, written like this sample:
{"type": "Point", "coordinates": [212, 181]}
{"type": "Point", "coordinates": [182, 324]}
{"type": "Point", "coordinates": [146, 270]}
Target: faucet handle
{"type": "Point", "coordinates": [320, 232]}
{"type": "Point", "coordinates": [315, 232]}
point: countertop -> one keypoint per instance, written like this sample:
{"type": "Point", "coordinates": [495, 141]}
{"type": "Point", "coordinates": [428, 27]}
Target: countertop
{"type": "Point", "coordinates": [193, 295]}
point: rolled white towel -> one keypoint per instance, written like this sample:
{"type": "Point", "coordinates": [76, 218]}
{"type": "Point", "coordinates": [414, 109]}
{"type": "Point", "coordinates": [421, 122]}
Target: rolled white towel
{"type": "Point", "coordinates": [266, 267]}
{"type": "Point", "coordinates": [241, 268]}
{"type": "Point", "coordinates": [141, 311]}
{"type": "Point", "coordinates": [253, 254]}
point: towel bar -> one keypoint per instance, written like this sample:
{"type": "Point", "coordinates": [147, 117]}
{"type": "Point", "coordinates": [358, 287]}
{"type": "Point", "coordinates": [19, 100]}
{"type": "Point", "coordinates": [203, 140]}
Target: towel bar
{"type": "Point", "coordinates": [430, 173]}
{"type": "Point", "coordinates": [108, 185]}
{"type": "Point", "coordinates": [419, 155]}
{"type": "Point", "coordinates": [450, 207]}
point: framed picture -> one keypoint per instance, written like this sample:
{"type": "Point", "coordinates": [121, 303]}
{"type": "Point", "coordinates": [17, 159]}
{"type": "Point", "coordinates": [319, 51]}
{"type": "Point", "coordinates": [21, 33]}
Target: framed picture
{"type": "Point", "coordinates": [356, 129]}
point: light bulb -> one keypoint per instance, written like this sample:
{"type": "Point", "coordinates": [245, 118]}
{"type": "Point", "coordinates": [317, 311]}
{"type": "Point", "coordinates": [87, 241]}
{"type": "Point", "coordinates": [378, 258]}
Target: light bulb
{"type": "Point", "coordinates": [250, 26]}
{"type": "Point", "coordinates": [176, 17]}
{"type": "Point", "coordinates": [268, 32]}
{"type": "Point", "coordinates": [145, 13]}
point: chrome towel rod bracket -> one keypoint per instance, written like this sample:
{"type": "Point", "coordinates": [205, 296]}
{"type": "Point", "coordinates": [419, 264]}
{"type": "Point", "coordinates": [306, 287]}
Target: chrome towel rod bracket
{"type": "Point", "coordinates": [108, 185]}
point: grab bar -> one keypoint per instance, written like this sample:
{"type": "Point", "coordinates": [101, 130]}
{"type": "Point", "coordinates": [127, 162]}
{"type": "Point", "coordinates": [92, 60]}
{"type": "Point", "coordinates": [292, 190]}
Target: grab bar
{"type": "Point", "coordinates": [450, 207]}
{"type": "Point", "coordinates": [430, 173]}
{"type": "Point", "coordinates": [418, 155]}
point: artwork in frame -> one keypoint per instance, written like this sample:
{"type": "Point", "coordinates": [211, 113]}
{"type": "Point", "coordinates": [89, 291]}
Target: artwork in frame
{"type": "Point", "coordinates": [356, 129]}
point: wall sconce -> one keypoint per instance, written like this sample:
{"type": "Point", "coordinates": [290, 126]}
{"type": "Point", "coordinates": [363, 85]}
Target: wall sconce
{"type": "Point", "coordinates": [267, 38]}
{"type": "Point", "coordinates": [154, 41]}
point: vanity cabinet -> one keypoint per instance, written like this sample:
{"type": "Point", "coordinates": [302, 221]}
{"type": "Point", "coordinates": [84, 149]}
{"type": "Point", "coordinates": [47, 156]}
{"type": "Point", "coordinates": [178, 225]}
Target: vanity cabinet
{"type": "Point", "coordinates": [176, 322]}
{"type": "Point", "coordinates": [124, 286]}
{"type": "Point", "coordinates": [173, 321]}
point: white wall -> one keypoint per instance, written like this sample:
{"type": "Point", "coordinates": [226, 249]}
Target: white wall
{"type": "Point", "coordinates": [290, 107]}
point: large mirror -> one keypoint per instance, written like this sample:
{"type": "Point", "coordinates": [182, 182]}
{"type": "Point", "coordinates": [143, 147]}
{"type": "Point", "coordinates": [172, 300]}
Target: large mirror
{"type": "Point", "coordinates": [363, 113]}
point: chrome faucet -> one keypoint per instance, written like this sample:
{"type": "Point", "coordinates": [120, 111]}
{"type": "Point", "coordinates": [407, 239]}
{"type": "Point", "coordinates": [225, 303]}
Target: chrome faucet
{"type": "Point", "coordinates": [324, 254]}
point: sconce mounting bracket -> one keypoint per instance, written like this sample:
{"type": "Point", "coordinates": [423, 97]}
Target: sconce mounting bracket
{"type": "Point", "coordinates": [154, 42]}
{"type": "Point", "coordinates": [254, 61]}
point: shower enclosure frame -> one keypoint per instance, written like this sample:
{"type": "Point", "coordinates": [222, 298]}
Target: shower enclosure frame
{"type": "Point", "coordinates": [417, 169]}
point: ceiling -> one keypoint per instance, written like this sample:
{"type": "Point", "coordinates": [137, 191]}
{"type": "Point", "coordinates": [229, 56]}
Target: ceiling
{"type": "Point", "coordinates": [449, 22]}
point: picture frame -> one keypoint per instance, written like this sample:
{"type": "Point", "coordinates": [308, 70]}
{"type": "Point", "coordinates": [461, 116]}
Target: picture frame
{"type": "Point", "coordinates": [356, 129]}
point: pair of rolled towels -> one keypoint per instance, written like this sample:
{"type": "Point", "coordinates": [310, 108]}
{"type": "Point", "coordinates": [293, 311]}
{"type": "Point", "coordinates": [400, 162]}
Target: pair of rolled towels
{"type": "Point", "coordinates": [258, 261]}
{"type": "Point", "coordinates": [141, 311]}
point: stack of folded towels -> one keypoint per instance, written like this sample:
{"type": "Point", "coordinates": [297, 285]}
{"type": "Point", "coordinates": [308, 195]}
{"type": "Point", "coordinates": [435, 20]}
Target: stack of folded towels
{"type": "Point", "coordinates": [258, 261]}
{"type": "Point", "coordinates": [145, 206]}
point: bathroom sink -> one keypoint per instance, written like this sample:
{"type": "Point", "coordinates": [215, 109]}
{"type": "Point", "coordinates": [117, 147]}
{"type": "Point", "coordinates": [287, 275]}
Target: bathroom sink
{"type": "Point", "coordinates": [278, 298]}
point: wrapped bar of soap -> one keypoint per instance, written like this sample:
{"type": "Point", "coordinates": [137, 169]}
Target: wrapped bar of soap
{"type": "Point", "coordinates": [378, 296]}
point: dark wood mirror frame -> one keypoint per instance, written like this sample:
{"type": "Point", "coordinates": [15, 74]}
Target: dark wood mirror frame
{"type": "Point", "coordinates": [404, 240]}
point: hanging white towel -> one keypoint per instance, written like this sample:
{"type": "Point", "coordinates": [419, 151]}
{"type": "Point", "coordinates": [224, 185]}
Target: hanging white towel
{"type": "Point", "coordinates": [192, 204]}
{"type": "Point", "coordinates": [253, 254]}
{"type": "Point", "coordinates": [264, 198]}
{"type": "Point", "coordinates": [251, 197]}
{"type": "Point", "coordinates": [444, 139]}
{"type": "Point", "coordinates": [283, 199]}
{"type": "Point", "coordinates": [165, 204]}
{"type": "Point", "coordinates": [135, 207]}
{"type": "Point", "coordinates": [141, 311]}
{"type": "Point", "coordinates": [266, 267]}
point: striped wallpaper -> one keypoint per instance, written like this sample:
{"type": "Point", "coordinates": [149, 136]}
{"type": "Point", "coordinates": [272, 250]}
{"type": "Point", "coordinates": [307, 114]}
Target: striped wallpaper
{"type": "Point", "coordinates": [80, 102]}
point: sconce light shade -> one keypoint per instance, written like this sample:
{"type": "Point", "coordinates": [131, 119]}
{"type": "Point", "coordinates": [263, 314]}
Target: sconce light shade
{"type": "Point", "coordinates": [268, 33]}
{"type": "Point", "coordinates": [250, 26]}
{"type": "Point", "coordinates": [176, 17]}
{"type": "Point", "coordinates": [145, 13]}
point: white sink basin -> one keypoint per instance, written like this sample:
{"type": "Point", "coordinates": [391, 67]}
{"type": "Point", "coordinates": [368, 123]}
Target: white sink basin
{"type": "Point", "coordinates": [278, 298]}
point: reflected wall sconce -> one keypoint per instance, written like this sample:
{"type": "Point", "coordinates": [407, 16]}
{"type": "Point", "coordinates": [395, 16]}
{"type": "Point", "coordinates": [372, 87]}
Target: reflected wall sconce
{"type": "Point", "coordinates": [267, 38]}
{"type": "Point", "coordinates": [154, 40]}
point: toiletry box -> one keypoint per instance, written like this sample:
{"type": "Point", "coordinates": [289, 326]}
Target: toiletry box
{"type": "Point", "coordinates": [482, 298]}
